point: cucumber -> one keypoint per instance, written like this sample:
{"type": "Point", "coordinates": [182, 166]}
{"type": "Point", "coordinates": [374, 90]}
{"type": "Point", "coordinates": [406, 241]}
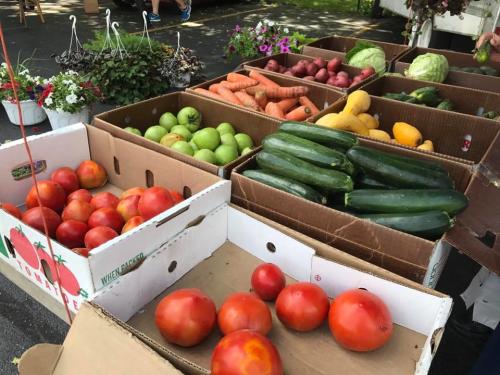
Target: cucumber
{"type": "Point", "coordinates": [368, 182]}
{"type": "Point", "coordinates": [446, 105]}
{"type": "Point", "coordinates": [428, 95]}
{"type": "Point", "coordinates": [489, 71]}
{"type": "Point", "coordinates": [399, 171]}
{"type": "Point", "coordinates": [406, 200]}
{"type": "Point", "coordinates": [430, 224]}
{"type": "Point", "coordinates": [320, 134]}
{"type": "Point", "coordinates": [396, 96]}
{"type": "Point", "coordinates": [309, 151]}
{"type": "Point", "coordinates": [286, 184]}
{"type": "Point", "coordinates": [289, 166]}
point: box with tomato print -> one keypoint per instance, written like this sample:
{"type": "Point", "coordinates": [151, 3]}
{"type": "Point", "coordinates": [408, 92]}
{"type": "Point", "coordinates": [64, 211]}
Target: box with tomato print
{"type": "Point", "coordinates": [195, 289]}
{"type": "Point", "coordinates": [96, 236]}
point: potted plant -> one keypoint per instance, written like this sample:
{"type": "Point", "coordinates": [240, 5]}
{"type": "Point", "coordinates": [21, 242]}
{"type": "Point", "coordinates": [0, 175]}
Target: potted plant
{"type": "Point", "coordinates": [66, 99]}
{"type": "Point", "coordinates": [28, 89]}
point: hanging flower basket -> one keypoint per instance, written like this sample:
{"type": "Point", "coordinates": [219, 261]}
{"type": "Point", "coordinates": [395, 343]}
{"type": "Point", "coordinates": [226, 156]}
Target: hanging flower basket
{"type": "Point", "coordinates": [31, 112]}
{"type": "Point", "coordinates": [61, 119]}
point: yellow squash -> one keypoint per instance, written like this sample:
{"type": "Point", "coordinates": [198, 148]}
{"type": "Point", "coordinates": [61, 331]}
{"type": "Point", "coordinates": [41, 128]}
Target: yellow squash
{"type": "Point", "coordinates": [379, 134]}
{"type": "Point", "coordinates": [370, 121]}
{"type": "Point", "coordinates": [407, 134]}
{"type": "Point", "coordinates": [344, 121]}
{"type": "Point", "coordinates": [357, 102]}
{"type": "Point", "coordinates": [427, 146]}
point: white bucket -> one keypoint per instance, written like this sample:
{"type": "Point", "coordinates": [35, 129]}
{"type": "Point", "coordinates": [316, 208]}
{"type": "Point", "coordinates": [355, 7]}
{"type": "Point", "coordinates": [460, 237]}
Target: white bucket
{"type": "Point", "coordinates": [32, 113]}
{"type": "Point", "coordinates": [63, 119]}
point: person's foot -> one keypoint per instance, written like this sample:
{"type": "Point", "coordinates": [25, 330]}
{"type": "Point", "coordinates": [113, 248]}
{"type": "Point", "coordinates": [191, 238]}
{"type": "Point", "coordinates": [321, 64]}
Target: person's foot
{"type": "Point", "coordinates": [186, 12]}
{"type": "Point", "coordinates": [153, 17]}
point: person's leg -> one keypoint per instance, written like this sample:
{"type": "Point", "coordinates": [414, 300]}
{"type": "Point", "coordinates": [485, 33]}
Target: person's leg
{"type": "Point", "coordinates": [185, 8]}
{"type": "Point", "coordinates": [154, 16]}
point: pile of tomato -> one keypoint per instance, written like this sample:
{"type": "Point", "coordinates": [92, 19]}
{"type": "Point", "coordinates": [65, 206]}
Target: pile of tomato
{"type": "Point", "coordinates": [358, 320]}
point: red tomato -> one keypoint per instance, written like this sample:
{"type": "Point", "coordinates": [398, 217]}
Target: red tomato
{"type": "Point", "coordinates": [132, 223]}
{"type": "Point", "coordinates": [302, 306]}
{"type": "Point", "coordinates": [97, 236]}
{"type": "Point", "coordinates": [104, 199]}
{"type": "Point", "coordinates": [67, 178]}
{"type": "Point", "coordinates": [52, 195]}
{"type": "Point", "coordinates": [132, 191]}
{"type": "Point", "coordinates": [246, 352]}
{"type": "Point", "coordinates": [107, 217]}
{"type": "Point", "coordinates": [91, 175]}
{"type": "Point", "coordinates": [80, 195]}
{"type": "Point", "coordinates": [244, 311]}
{"type": "Point", "coordinates": [11, 209]}
{"type": "Point", "coordinates": [33, 218]}
{"type": "Point", "coordinates": [83, 251]}
{"type": "Point", "coordinates": [71, 233]}
{"type": "Point", "coordinates": [268, 281]}
{"type": "Point", "coordinates": [185, 317]}
{"type": "Point", "coordinates": [154, 201]}
{"type": "Point", "coordinates": [128, 207]}
{"type": "Point", "coordinates": [360, 321]}
{"type": "Point", "coordinates": [77, 210]}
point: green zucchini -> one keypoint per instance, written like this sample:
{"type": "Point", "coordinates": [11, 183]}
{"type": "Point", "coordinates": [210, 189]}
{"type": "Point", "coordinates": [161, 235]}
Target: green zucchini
{"type": "Point", "coordinates": [398, 171]}
{"type": "Point", "coordinates": [446, 105]}
{"type": "Point", "coordinates": [320, 134]}
{"type": "Point", "coordinates": [406, 200]}
{"type": "Point", "coordinates": [430, 224]}
{"type": "Point", "coordinates": [428, 95]}
{"type": "Point", "coordinates": [289, 166]}
{"type": "Point", "coordinates": [489, 71]}
{"type": "Point", "coordinates": [309, 151]}
{"type": "Point", "coordinates": [286, 184]}
{"type": "Point", "coordinates": [490, 114]}
{"type": "Point", "coordinates": [368, 182]}
{"type": "Point", "coordinates": [402, 97]}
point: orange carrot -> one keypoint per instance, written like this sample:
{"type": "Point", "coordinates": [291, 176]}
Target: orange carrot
{"type": "Point", "coordinates": [236, 77]}
{"type": "Point", "coordinates": [262, 79]}
{"type": "Point", "coordinates": [287, 104]}
{"type": "Point", "coordinates": [281, 92]}
{"type": "Point", "coordinates": [304, 100]}
{"type": "Point", "coordinates": [228, 95]}
{"type": "Point", "coordinates": [214, 88]}
{"type": "Point", "coordinates": [261, 99]}
{"type": "Point", "coordinates": [247, 100]}
{"type": "Point", "coordinates": [237, 86]}
{"type": "Point", "coordinates": [209, 94]}
{"type": "Point", "coordinates": [299, 114]}
{"type": "Point", "coordinates": [273, 109]}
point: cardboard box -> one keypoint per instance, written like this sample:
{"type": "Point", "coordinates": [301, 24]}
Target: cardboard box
{"type": "Point", "coordinates": [471, 80]}
{"type": "Point", "coordinates": [290, 59]}
{"type": "Point", "coordinates": [93, 336]}
{"type": "Point", "coordinates": [337, 46]}
{"type": "Point", "coordinates": [321, 96]}
{"type": "Point", "coordinates": [453, 134]}
{"type": "Point", "coordinates": [218, 256]}
{"type": "Point", "coordinates": [128, 165]}
{"type": "Point", "coordinates": [146, 113]}
{"type": "Point", "coordinates": [465, 100]}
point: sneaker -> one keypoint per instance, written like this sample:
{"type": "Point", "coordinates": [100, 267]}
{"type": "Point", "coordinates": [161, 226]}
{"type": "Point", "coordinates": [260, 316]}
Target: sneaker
{"type": "Point", "coordinates": [186, 13]}
{"type": "Point", "coordinates": [154, 17]}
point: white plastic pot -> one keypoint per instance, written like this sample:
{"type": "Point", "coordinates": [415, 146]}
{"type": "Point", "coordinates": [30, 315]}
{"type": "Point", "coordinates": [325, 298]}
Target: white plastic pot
{"type": "Point", "coordinates": [61, 119]}
{"type": "Point", "coordinates": [183, 81]}
{"type": "Point", "coordinates": [32, 113]}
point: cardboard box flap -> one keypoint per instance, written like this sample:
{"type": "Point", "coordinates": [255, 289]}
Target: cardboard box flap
{"type": "Point", "coordinates": [95, 345]}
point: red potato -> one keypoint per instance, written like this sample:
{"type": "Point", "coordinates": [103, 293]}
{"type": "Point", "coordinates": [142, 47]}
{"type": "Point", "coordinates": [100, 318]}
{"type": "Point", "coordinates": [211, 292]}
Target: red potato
{"type": "Point", "coordinates": [367, 72]}
{"type": "Point", "coordinates": [309, 78]}
{"type": "Point", "coordinates": [341, 81]}
{"type": "Point", "coordinates": [299, 70]}
{"type": "Point", "coordinates": [332, 81]}
{"type": "Point", "coordinates": [273, 65]}
{"type": "Point", "coordinates": [334, 65]}
{"type": "Point", "coordinates": [312, 69]}
{"type": "Point", "coordinates": [322, 75]}
{"type": "Point", "coordinates": [282, 69]}
{"type": "Point", "coordinates": [342, 73]}
{"type": "Point", "coordinates": [288, 73]}
{"type": "Point", "coordinates": [319, 62]}
{"type": "Point", "coordinates": [332, 74]}
{"type": "Point", "coordinates": [303, 61]}
{"type": "Point", "coordinates": [357, 79]}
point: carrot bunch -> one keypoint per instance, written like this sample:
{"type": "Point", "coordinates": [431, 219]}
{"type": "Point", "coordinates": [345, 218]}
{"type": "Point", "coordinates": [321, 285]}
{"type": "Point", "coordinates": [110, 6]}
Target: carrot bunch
{"type": "Point", "coordinates": [259, 93]}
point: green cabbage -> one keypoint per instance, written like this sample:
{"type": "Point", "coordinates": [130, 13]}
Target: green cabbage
{"type": "Point", "coordinates": [373, 56]}
{"type": "Point", "coordinates": [428, 67]}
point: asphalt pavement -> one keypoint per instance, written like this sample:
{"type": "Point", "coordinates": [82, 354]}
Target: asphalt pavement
{"type": "Point", "coordinates": [24, 322]}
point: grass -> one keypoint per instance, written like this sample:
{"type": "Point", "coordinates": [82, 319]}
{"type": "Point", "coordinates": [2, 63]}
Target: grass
{"type": "Point", "coordinates": [337, 6]}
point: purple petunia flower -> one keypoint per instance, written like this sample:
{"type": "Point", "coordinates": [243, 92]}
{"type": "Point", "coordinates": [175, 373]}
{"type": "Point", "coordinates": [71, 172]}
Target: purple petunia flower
{"type": "Point", "coordinates": [263, 48]}
{"type": "Point", "coordinates": [285, 49]}
{"type": "Point", "coordinates": [237, 28]}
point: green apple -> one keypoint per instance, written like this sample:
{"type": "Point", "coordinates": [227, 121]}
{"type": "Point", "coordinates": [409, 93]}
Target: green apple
{"type": "Point", "coordinates": [244, 141]}
{"type": "Point", "coordinates": [205, 155]}
{"type": "Point", "coordinates": [169, 139]}
{"type": "Point", "coordinates": [228, 139]}
{"type": "Point", "coordinates": [168, 120]}
{"type": "Point", "coordinates": [208, 138]}
{"type": "Point", "coordinates": [192, 127]}
{"type": "Point", "coordinates": [183, 147]}
{"type": "Point", "coordinates": [133, 131]}
{"type": "Point", "coordinates": [225, 154]}
{"type": "Point", "coordinates": [189, 116]}
{"type": "Point", "coordinates": [193, 145]}
{"type": "Point", "coordinates": [182, 130]}
{"type": "Point", "coordinates": [155, 133]}
{"type": "Point", "coordinates": [246, 150]}
{"type": "Point", "coordinates": [224, 128]}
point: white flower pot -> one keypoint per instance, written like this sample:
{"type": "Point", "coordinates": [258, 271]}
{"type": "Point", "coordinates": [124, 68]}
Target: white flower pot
{"type": "Point", "coordinates": [62, 119]}
{"type": "Point", "coordinates": [32, 113]}
{"type": "Point", "coordinates": [183, 82]}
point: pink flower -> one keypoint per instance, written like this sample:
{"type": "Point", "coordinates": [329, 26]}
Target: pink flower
{"type": "Point", "coordinates": [285, 49]}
